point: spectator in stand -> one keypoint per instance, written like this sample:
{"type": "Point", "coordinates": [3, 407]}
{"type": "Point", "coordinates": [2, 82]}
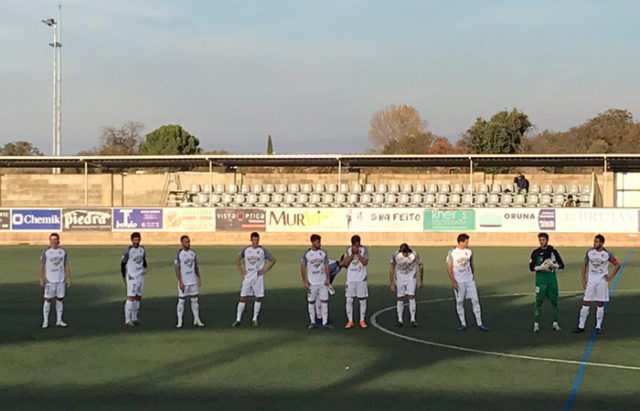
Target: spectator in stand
{"type": "Point", "coordinates": [570, 202]}
{"type": "Point", "coordinates": [522, 184]}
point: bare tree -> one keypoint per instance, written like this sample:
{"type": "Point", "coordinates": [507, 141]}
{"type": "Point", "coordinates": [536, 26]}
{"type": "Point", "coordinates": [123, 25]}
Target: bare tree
{"type": "Point", "coordinates": [395, 124]}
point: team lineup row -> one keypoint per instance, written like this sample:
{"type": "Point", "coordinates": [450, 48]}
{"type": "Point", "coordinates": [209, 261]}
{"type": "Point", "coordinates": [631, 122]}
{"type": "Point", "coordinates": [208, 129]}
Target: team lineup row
{"type": "Point", "coordinates": [318, 272]}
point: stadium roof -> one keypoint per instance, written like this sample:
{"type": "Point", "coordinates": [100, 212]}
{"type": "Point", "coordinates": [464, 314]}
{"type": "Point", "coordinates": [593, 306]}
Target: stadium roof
{"type": "Point", "coordinates": [613, 162]}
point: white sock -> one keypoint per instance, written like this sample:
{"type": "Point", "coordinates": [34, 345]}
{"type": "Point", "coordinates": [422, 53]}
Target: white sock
{"type": "Point", "coordinates": [363, 309]}
{"type": "Point", "coordinates": [584, 313]}
{"type": "Point", "coordinates": [460, 310]}
{"type": "Point", "coordinates": [400, 309]}
{"type": "Point", "coordinates": [134, 312]}
{"type": "Point", "coordinates": [599, 316]}
{"type": "Point", "coordinates": [318, 309]}
{"type": "Point", "coordinates": [325, 313]}
{"type": "Point", "coordinates": [349, 309]}
{"type": "Point", "coordinates": [180, 309]}
{"type": "Point", "coordinates": [59, 310]}
{"type": "Point", "coordinates": [476, 311]}
{"type": "Point", "coordinates": [45, 311]}
{"type": "Point", "coordinates": [240, 311]}
{"type": "Point", "coordinates": [195, 309]}
{"type": "Point", "coordinates": [127, 310]}
{"type": "Point", "coordinates": [312, 312]}
{"type": "Point", "coordinates": [256, 309]}
{"type": "Point", "coordinates": [412, 308]}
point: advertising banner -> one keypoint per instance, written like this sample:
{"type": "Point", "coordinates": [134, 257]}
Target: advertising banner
{"type": "Point", "coordinates": [37, 219]}
{"type": "Point", "coordinates": [399, 220]}
{"type": "Point", "coordinates": [137, 219]}
{"type": "Point", "coordinates": [597, 220]}
{"type": "Point", "coordinates": [189, 219]}
{"type": "Point", "coordinates": [96, 219]}
{"type": "Point", "coordinates": [344, 220]}
{"type": "Point", "coordinates": [245, 219]}
{"type": "Point", "coordinates": [5, 219]}
{"type": "Point", "coordinates": [514, 220]}
{"type": "Point", "coordinates": [449, 220]}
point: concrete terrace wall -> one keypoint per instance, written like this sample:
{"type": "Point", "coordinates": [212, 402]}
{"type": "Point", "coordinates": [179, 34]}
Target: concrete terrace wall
{"type": "Point", "coordinates": [46, 190]}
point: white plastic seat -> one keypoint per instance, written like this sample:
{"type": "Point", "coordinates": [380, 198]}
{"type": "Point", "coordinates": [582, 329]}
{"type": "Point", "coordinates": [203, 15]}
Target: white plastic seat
{"type": "Point", "coordinates": [532, 200]}
{"type": "Point", "coordinates": [215, 199]}
{"type": "Point", "coordinates": [378, 199]}
{"type": "Point", "coordinates": [534, 189]}
{"type": "Point", "coordinates": [294, 188]}
{"type": "Point", "coordinates": [573, 189]}
{"type": "Point", "coordinates": [416, 200]}
{"type": "Point", "coordinates": [419, 188]}
{"type": "Point", "coordinates": [227, 199]}
{"type": "Point", "coordinates": [560, 189]}
{"type": "Point", "coordinates": [585, 189]}
{"type": "Point", "coordinates": [546, 189]}
{"type": "Point", "coordinates": [496, 189]}
{"type": "Point", "coordinates": [206, 188]}
{"type": "Point", "coordinates": [508, 188]}
{"type": "Point", "coordinates": [403, 199]}
{"type": "Point", "coordinates": [356, 188]}
{"type": "Point", "coordinates": [318, 188]}
{"type": "Point", "coordinates": [584, 200]}
{"type": "Point", "coordinates": [454, 200]}
{"type": "Point", "coordinates": [344, 188]}
{"type": "Point", "coordinates": [381, 188]}
{"type": "Point", "coordinates": [220, 189]}
{"type": "Point", "coordinates": [394, 188]}
{"type": "Point", "coordinates": [245, 189]}
{"type": "Point", "coordinates": [339, 199]}
{"type": "Point", "coordinates": [202, 199]}
{"type": "Point", "coordinates": [289, 199]}
{"type": "Point", "coordinates": [264, 199]}
{"type": "Point", "coordinates": [429, 199]}
{"type": "Point", "coordinates": [518, 200]}
{"type": "Point", "coordinates": [431, 189]}
{"type": "Point", "coordinates": [481, 200]}
{"type": "Point", "coordinates": [306, 188]}
{"type": "Point", "coordinates": [506, 200]}
{"type": "Point", "coordinates": [332, 188]}
{"type": "Point", "coordinates": [195, 189]}
{"type": "Point", "coordinates": [545, 200]}
{"type": "Point", "coordinates": [251, 199]}
{"type": "Point", "coordinates": [466, 200]}
{"type": "Point", "coordinates": [281, 188]}
{"type": "Point", "coordinates": [369, 188]}
{"type": "Point", "coordinates": [483, 189]}
{"type": "Point", "coordinates": [314, 200]}
{"type": "Point", "coordinates": [407, 188]}
{"type": "Point", "coordinates": [352, 199]}
{"type": "Point", "coordinates": [444, 188]}
{"type": "Point", "coordinates": [558, 200]}
{"type": "Point", "coordinates": [365, 200]}
{"type": "Point", "coordinates": [469, 188]}
{"type": "Point", "coordinates": [390, 199]}
{"type": "Point", "coordinates": [302, 200]}
{"type": "Point", "coordinates": [457, 189]}
{"type": "Point", "coordinates": [442, 200]}
{"type": "Point", "coordinates": [493, 200]}
{"type": "Point", "coordinates": [269, 188]}
{"type": "Point", "coordinates": [238, 200]}
{"type": "Point", "coordinates": [232, 189]}
{"type": "Point", "coordinates": [274, 200]}
{"type": "Point", "coordinates": [327, 200]}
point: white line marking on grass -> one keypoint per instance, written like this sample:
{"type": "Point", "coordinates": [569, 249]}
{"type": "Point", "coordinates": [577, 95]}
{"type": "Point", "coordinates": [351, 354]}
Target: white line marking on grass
{"type": "Point", "coordinates": [374, 322]}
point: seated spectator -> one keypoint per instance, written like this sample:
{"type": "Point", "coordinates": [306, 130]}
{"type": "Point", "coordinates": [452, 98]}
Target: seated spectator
{"type": "Point", "coordinates": [570, 202]}
{"type": "Point", "coordinates": [522, 184]}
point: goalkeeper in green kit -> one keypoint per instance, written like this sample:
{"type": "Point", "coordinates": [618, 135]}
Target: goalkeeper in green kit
{"type": "Point", "coordinates": [545, 260]}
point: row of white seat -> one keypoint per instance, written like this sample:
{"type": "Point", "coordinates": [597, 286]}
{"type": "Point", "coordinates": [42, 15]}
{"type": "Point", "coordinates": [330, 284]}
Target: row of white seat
{"type": "Point", "coordinates": [418, 188]}
{"type": "Point", "coordinates": [386, 200]}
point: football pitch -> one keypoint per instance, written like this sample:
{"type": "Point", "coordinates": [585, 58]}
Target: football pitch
{"type": "Point", "coordinates": [97, 363]}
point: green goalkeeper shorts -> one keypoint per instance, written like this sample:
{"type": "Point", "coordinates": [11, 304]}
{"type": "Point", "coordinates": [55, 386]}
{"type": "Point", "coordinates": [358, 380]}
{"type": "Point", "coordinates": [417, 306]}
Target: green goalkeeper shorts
{"type": "Point", "coordinates": [546, 286]}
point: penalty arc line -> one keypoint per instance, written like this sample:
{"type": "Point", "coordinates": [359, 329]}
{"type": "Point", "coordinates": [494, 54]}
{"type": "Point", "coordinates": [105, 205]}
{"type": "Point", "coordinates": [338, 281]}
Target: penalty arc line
{"type": "Point", "coordinates": [374, 322]}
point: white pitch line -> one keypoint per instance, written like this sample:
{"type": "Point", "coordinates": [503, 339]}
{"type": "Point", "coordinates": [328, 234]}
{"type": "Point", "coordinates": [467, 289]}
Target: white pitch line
{"type": "Point", "coordinates": [375, 315]}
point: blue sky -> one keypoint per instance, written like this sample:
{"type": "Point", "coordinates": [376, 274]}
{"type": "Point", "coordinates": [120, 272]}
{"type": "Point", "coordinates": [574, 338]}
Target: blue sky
{"type": "Point", "coordinates": [312, 73]}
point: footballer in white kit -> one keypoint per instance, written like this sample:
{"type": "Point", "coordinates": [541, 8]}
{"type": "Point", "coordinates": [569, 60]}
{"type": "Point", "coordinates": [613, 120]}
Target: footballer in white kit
{"type": "Point", "coordinates": [461, 271]}
{"type": "Point", "coordinates": [133, 267]}
{"type": "Point", "coordinates": [55, 276]}
{"type": "Point", "coordinates": [356, 259]}
{"type": "Point", "coordinates": [188, 274]}
{"type": "Point", "coordinates": [405, 263]}
{"type": "Point", "coordinates": [253, 272]}
{"type": "Point", "coordinates": [596, 285]}
{"type": "Point", "coordinates": [314, 270]}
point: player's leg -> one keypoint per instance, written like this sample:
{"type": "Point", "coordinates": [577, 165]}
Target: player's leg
{"type": "Point", "coordinates": [46, 306]}
{"type": "Point", "coordinates": [362, 290]}
{"type": "Point", "coordinates": [195, 306]}
{"type": "Point", "coordinates": [128, 310]}
{"type": "Point", "coordinates": [312, 296]}
{"type": "Point", "coordinates": [472, 292]}
{"type": "Point", "coordinates": [603, 298]}
{"type": "Point", "coordinates": [323, 293]}
{"type": "Point", "coordinates": [180, 307]}
{"type": "Point", "coordinates": [60, 294]}
{"type": "Point", "coordinates": [541, 292]}
{"type": "Point", "coordinates": [411, 294]}
{"type": "Point", "coordinates": [245, 291]}
{"type": "Point", "coordinates": [401, 291]}
{"type": "Point", "coordinates": [350, 294]}
{"type": "Point", "coordinates": [589, 295]}
{"type": "Point", "coordinates": [139, 287]}
{"type": "Point", "coordinates": [552, 295]}
{"type": "Point", "coordinates": [318, 311]}
{"type": "Point", "coordinates": [599, 316]}
{"type": "Point", "coordinates": [460, 296]}
{"type": "Point", "coordinates": [258, 293]}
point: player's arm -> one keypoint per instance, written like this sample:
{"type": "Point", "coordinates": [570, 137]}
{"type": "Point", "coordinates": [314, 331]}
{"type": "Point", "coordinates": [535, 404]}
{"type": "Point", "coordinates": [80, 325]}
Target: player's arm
{"type": "Point", "coordinates": [392, 282]}
{"type": "Point", "coordinates": [558, 259]}
{"type": "Point", "coordinates": [346, 260]}
{"type": "Point", "coordinates": [123, 265]}
{"type": "Point", "coordinates": [454, 283]}
{"type": "Point", "coordinates": [272, 261]}
{"type": "Point", "coordinates": [303, 273]}
{"type": "Point", "coordinates": [584, 273]}
{"type": "Point", "coordinates": [144, 263]}
{"type": "Point", "coordinates": [532, 261]}
{"type": "Point", "coordinates": [176, 265]}
{"type": "Point", "coordinates": [616, 268]}
{"type": "Point", "coordinates": [327, 274]}
{"type": "Point", "coordinates": [364, 259]}
{"type": "Point", "coordinates": [421, 272]}
{"type": "Point", "coordinates": [239, 265]}
{"type": "Point", "coordinates": [67, 272]}
{"type": "Point", "coordinates": [196, 269]}
{"type": "Point", "coordinates": [42, 271]}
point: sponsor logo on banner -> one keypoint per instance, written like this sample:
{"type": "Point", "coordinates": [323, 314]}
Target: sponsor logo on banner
{"type": "Point", "coordinates": [306, 220]}
{"type": "Point", "coordinates": [41, 219]}
{"type": "Point", "coordinates": [547, 219]}
{"type": "Point", "coordinates": [596, 220]}
{"type": "Point", "coordinates": [246, 219]}
{"type": "Point", "coordinates": [98, 219]}
{"type": "Point", "coordinates": [507, 220]}
{"type": "Point", "coordinates": [385, 220]}
{"type": "Point", "coordinates": [5, 219]}
{"type": "Point", "coordinates": [137, 219]}
{"type": "Point", "coordinates": [189, 219]}
{"type": "Point", "coordinates": [449, 220]}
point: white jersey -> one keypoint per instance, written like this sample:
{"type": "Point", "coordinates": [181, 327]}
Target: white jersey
{"type": "Point", "coordinates": [461, 258]}
{"type": "Point", "coordinates": [54, 260]}
{"type": "Point", "coordinates": [405, 267]}
{"type": "Point", "coordinates": [186, 261]}
{"type": "Point", "coordinates": [315, 261]}
{"type": "Point", "coordinates": [356, 271]}
{"type": "Point", "coordinates": [254, 259]}
{"type": "Point", "coordinates": [598, 263]}
{"type": "Point", "coordinates": [134, 261]}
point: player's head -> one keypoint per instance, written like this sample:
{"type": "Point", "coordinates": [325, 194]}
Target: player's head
{"type": "Point", "coordinates": [405, 249]}
{"type": "Point", "coordinates": [463, 240]}
{"type": "Point", "coordinates": [185, 241]}
{"type": "Point", "coordinates": [355, 240]}
{"type": "Point", "coordinates": [315, 241]}
{"type": "Point", "coordinates": [135, 239]}
{"type": "Point", "coordinates": [54, 240]}
{"type": "Point", "coordinates": [255, 239]}
{"type": "Point", "coordinates": [598, 241]}
{"type": "Point", "coordinates": [543, 238]}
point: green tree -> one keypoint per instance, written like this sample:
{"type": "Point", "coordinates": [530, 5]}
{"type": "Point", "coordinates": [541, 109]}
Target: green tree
{"type": "Point", "coordinates": [420, 144]}
{"type": "Point", "coordinates": [170, 139]}
{"type": "Point", "coordinates": [20, 148]}
{"type": "Point", "coordinates": [502, 134]}
{"type": "Point", "coordinates": [269, 145]}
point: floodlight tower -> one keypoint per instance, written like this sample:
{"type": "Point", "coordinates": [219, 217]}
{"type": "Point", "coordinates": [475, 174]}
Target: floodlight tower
{"type": "Point", "coordinates": [57, 81]}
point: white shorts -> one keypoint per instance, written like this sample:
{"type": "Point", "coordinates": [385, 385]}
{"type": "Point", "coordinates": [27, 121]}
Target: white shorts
{"type": "Point", "coordinates": [253, 287]}
{"type": "Point", "coordinates": [466, 290]}
{"type": "Point", "coordinates": [189, 290]}
{"type": "Point", "coordinates": [406, 288]}
{"type": "Point", "coordinates": [135, 286]}
{"type": "Point", "coordinates": [54, 290]}
{"type": "Point", "coordinates": [318, 291]}
{"type": "Point", "coordinates": [358, 289]}
{"type": "Point", "coordinates": [597, 291]}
